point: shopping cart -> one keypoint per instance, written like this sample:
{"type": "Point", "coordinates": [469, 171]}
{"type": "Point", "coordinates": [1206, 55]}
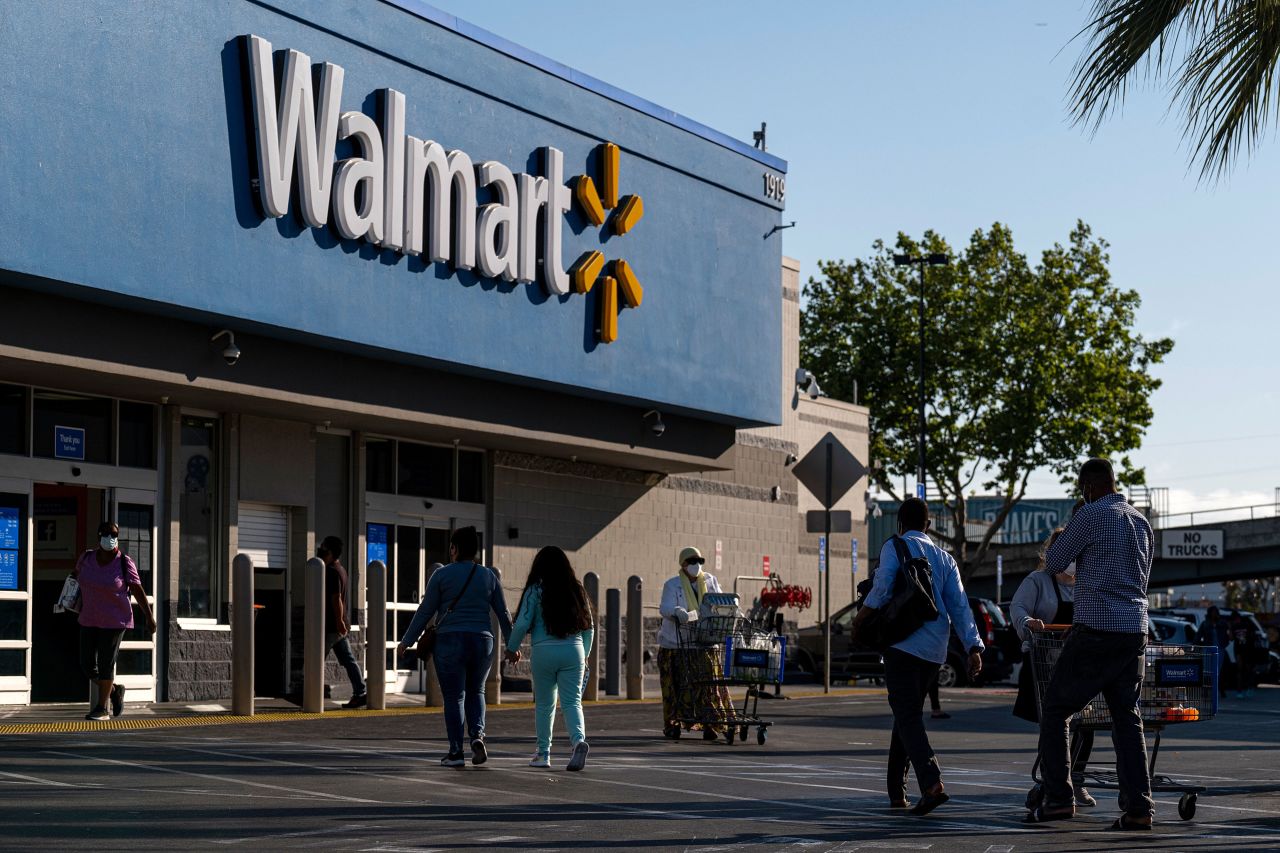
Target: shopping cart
{"type": "Point", "coordinates": [721, 649]}
{"type": "Point", "coordinates": [1179, 685]}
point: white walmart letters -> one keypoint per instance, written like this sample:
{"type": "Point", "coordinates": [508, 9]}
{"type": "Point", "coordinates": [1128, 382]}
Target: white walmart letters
{"type": "Point", "coordinates": [399, 192]}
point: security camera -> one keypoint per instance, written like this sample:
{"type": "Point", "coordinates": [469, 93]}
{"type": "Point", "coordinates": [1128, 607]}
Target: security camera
{"type": "Point", "coordinates": [657, 427]}
{"type": "Point", "coordinates": [807, 382]}
{"type": "Point", "coordinates": [231, 352]}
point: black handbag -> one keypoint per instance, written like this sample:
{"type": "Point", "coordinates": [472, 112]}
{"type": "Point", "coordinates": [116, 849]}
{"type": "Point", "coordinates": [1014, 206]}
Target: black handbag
{"type": "Point", "coordinates": [910, 606]}
{"type": "Point", "coordinates": [427, 642]}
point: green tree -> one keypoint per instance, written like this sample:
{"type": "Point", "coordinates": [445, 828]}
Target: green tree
{"type": "Point", "coordinates": [1218, 55]}
{"type": "Point", "coordinates": [1259, 596]}
{"type": "Point", "coordinates": [1026, 368]}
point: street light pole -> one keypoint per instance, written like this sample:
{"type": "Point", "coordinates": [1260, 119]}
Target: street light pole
{"type": "Point", "coordinates": [932, 260]}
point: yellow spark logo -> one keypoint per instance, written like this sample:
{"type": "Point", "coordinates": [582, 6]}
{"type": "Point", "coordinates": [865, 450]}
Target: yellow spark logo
{"type": "Point", "coordinates": [619, 280]}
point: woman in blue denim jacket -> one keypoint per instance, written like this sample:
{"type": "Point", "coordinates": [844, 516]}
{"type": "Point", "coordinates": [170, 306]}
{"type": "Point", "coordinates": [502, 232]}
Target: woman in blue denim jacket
{"type": "Point", "coordinates": [459, 597]}
{"type": "Point", "coordinates": [555, 611]}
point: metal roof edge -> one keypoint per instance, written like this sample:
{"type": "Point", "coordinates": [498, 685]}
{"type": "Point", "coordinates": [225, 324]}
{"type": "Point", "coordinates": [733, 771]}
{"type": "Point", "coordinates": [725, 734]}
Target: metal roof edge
{"type": "Point", "coordinates": [493, 41]}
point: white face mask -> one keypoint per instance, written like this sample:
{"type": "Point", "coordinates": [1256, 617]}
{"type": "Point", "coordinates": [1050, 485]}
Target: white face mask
{"type": "Point", "coordinates": [108, 543]}
{"type": "Point", "coordinates": [694, 569]}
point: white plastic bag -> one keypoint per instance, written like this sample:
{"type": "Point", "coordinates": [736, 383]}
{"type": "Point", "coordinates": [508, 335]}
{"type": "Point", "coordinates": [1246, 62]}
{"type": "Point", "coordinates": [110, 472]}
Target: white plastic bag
{"type": "Point", "coordinates": [69, 599]}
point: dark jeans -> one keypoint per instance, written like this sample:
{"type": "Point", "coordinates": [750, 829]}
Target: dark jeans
{"type": "Point", "coordinates": [99, 648]}
{"type": "Point", "coordinates": [1094, 662]}
{"type": "Point", "coordinates": [342, 651]}
{"type": "Point", "coordinates": [463, 659]}
{"type": "Point", "coordinates": [907, 679]}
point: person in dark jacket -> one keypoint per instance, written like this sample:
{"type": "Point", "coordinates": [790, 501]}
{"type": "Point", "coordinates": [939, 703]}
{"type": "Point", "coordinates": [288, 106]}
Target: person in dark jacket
{"type": "Point", "coordinates": [1213, 632]}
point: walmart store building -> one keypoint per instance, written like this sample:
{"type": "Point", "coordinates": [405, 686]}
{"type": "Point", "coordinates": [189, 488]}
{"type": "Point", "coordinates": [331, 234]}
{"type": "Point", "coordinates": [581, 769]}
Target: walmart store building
{"type": "Point", "coordinates": [277, 270]}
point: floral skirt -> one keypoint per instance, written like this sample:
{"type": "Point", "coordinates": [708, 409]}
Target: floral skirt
{"type": "Point", "coordinates": [687, 697]}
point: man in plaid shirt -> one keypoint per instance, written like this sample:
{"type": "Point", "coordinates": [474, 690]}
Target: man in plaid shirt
{"type": "Point", "coordinates": [1111, 544]}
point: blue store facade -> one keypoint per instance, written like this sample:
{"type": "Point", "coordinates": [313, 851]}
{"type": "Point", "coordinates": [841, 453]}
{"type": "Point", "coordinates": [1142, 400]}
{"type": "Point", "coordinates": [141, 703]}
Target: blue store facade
{"type": "Point", "coordinates": [275, 270]}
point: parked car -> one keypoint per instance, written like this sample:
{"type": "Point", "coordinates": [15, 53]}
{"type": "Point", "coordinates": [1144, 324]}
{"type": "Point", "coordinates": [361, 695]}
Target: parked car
{"type": "Point", "coordinates": [850, 660]}
{"type": "Point", "coordinates": [1195, 616]}
{"type": "Point", "coordinates": [1003, 647]}
{"type": "Point", "coordinates": [1169, 629]}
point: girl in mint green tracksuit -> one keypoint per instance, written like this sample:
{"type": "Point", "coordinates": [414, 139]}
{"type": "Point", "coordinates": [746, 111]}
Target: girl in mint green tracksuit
{"type": "Point", "coordinates": [554, 609]}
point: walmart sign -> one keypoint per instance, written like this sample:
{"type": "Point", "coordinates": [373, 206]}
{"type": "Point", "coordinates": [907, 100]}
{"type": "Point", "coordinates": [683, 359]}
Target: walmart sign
{"type": "Point", "coordinates": [418, 198]}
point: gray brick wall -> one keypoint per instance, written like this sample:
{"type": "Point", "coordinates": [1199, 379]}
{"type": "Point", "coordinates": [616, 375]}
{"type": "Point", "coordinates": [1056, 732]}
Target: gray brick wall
{"type": "Point", "coordinates": [199, 664]}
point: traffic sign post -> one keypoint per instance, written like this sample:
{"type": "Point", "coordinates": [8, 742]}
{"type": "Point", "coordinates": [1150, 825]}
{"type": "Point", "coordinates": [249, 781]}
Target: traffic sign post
{"type": "Point", "coordinates": [999, 577]}
{"type": "Point", "coordinates": [828, 471]}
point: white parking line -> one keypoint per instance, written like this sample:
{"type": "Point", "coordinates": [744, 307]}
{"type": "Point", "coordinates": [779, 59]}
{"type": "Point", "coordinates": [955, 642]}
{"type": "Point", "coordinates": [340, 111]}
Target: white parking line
{"type": "Point", "coordinates": [226, 779]}
{"type": "Point", "coordinates": [333, 830]}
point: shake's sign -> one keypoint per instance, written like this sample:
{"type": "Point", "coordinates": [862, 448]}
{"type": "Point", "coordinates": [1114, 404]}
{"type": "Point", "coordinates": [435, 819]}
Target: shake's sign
{"type": "Point", "coordinates": [415, 197]}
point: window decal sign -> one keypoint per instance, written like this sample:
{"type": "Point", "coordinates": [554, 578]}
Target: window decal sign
{"type": "Point", "coordinates": [68, 443]}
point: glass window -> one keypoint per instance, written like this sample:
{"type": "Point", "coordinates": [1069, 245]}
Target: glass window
{"type": "Point", "coordinates": [408, 566]}
{"type": "Point", "coordinates": [60, 417]}
{"type": "Point", "coordinates": [13, 661]}
{"type": "Point", "coordinates": [426, 471]}
{"type": "Point", "coordinates": [198, 583]}
{"type": "Point", "coordinates": [137, 435]}
{"type": "Point", "coordinates": [13, 419]}
{"type": "Point", "coordinates": [135, 522]}
{"type": "Point", "coordinates": [134, 662]}
{"type": "Point", "coordinates": [13, 620]}
{"type": "Point", "coordinates": [379, 460]}
{"type": "Point", "coordinates": [471, 476]}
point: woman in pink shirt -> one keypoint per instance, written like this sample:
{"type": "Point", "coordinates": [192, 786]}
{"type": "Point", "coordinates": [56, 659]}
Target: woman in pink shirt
{"type": "Point", "coordinates": [106, 577]}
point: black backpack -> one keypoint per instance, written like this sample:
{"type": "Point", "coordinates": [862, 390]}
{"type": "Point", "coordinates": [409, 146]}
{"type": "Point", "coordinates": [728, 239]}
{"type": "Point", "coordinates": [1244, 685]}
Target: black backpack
{"type": "Point", "coordinates": [910, 606]}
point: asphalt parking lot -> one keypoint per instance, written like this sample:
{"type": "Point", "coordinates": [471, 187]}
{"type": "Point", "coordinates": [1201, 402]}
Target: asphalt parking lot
{"type": "Point", "coordinates": [371, 782]}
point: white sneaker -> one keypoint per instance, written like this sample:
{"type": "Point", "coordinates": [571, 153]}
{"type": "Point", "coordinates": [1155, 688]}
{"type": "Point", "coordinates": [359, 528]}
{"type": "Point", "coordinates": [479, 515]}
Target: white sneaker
{"type": "Point", "coordinates": [579, 758]}
{"type": "Point", "coordinates": [540, 760]}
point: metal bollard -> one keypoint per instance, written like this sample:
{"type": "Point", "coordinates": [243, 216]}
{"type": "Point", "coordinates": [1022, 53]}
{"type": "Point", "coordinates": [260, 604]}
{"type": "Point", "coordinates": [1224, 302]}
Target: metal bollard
{"type": "Point", "coordinates": [313, 650]}
{"type": "Point", "coordinates": [493, 687]}
{"type": "Point", "coordinates": [242, 635]}
{"type": "Point", "coordinates": [591, 581]}
{"type": "Point", "coordinates": [635, 638]}
{"type": "Point", "coordinates": [375, 641]}
{"type": "Point", "coordinates": [613, 649]}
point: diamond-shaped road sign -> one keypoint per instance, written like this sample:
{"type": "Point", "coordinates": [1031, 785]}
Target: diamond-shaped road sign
{"type": "Point", "coordinates": [845, 470]}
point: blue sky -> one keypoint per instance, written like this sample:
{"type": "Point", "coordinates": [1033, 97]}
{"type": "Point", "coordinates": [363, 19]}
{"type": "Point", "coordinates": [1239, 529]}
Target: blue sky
{"type": "Point", "coordinates": [906, 116]}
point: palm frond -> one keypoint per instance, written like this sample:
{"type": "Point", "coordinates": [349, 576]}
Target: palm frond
{"type": "Point", "coordinates": [1227, 84]}
{"type": "Point", "coordinates": [1122, 36]}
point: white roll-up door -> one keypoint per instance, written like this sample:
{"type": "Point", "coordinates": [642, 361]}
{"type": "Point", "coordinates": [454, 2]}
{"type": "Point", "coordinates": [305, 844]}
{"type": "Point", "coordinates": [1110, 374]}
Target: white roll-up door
{"type": "Point", "coordinates": [264, 535]}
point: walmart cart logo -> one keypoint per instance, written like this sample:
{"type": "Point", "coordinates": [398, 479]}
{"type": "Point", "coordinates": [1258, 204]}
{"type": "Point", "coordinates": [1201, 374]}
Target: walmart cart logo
{"type": "Point", "coordinates": [602, 207]}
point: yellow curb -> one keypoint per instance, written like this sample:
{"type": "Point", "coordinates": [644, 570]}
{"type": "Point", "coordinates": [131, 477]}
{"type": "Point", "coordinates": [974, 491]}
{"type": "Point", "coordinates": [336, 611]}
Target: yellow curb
{"type": "Point", "coordinates": [227, 719]}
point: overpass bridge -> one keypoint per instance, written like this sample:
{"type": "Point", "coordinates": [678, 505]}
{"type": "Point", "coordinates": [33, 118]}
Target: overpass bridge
{"type": "Point", "coordinates": [1209, 546]}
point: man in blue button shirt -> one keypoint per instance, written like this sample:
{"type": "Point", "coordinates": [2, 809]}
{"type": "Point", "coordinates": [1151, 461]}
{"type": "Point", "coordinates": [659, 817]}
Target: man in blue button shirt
{"type": "Point", "coordinates": [1111, 544]}
{"type": "Point", "coordinates": [911, 666]}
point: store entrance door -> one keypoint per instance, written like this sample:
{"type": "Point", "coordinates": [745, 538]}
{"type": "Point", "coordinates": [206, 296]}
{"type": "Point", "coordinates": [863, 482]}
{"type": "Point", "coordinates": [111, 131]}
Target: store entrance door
{"type": "Point", "coordinates": [65, 525]}
{"type": "Point", "coordinates": [411, 546]}
{"type": "Point", "coordinates": [65, 519]}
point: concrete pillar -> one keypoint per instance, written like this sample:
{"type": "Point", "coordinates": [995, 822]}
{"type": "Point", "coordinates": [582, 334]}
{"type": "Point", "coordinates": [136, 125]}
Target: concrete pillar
{"type": "Point", "coordinates": [375, 655]}
{"type": "Point", "coordinates": [613, 642]}
{"type": "Point", "coordinates": [313, 650]}
{"type": "Point", "coordinates": [591, 581]}
{"type": "Point", "coordinates": [242, 638]}
{"type": "Point", "coordinates": [635, 638]}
